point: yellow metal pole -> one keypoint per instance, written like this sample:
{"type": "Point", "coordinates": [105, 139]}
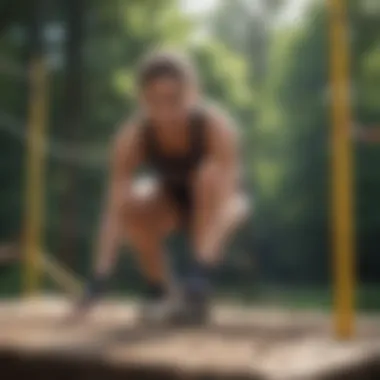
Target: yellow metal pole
{"type": "Point", "coordinates": [35, 173]}
{"type": "Point", "coordinates": [342, 186]}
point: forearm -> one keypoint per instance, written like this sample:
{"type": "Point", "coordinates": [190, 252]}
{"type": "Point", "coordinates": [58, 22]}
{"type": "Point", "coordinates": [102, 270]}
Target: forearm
{"type": "Point", "coordinates": [109, 236]}
{"type": "Point", "coordinates": [107, 243]}
{"type": "Point", "coordinates": [209, 192]}
{"type": "Point", "coordinates": [124, 159]}
{"type": "Point", "coordinates": [224, 183]}
{"type": "Point", "coordinates": [215, 186]}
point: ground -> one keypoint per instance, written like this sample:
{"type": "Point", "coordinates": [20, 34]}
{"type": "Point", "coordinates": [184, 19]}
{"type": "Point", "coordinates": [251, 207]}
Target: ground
{"type": "Point", "coordinates": [240, 343]}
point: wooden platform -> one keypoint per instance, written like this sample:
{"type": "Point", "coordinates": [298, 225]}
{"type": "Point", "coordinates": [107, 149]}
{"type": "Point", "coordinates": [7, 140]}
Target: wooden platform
{"type": "Point", "coordinates": [239, 344]}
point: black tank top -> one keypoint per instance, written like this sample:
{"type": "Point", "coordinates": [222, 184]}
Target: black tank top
{"type": "Point", "coordinates": [175, 169]}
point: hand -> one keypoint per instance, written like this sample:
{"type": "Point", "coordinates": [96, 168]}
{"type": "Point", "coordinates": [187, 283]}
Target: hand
{"type": "Point", "coordinates": [86, 303]}
{"type": "Point", "coordinates": [78, 312]}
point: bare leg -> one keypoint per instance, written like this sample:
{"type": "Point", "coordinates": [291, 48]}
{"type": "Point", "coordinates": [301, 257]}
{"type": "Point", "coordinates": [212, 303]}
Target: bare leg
{"type": "Point", "coordinates": [215, 218]}
{"type": "Point", "coordinates": [148, 219]}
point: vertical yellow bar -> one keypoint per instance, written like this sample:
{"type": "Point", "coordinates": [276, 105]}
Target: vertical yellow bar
{"type": "Point", "coordinates": [35, 173]}
{"type": "Point", "coordinates": [342, 186]}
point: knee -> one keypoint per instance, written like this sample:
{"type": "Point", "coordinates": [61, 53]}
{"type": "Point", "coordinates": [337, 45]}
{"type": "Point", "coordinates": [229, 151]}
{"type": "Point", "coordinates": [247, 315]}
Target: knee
{"type": "Point", "coordinates": [132, 214]}
{"type": "Point", "coordinates": [207, 177]}
{"type": "Point", "coordinates": [136, 202]}
{"type": "Point", "coordinates": [136, 230]}
{"type": "Point", "coordinates": [238, 208]}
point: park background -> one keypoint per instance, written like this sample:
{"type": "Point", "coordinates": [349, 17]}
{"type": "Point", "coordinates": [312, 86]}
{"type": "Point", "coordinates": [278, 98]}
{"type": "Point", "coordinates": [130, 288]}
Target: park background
{"type": "Point", "coordinates": [267, 63]}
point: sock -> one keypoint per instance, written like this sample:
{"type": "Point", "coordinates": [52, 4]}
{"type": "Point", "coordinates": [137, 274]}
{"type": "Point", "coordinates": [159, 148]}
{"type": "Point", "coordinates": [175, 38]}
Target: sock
{"type": "Point", "coordinates": [94, 289]}
{"type": "Point", "coordinates": [200, 277]}
{"type": "Point", "coordinates": [154, 290]}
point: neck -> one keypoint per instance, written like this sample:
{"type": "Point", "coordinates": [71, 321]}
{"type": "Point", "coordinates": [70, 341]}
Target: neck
{"type": "Point", "coordinates": [176, 123]}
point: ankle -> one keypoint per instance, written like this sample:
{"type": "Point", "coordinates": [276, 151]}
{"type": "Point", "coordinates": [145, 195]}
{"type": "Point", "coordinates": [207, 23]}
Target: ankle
{"type": "Point", "coordinates": [154, 290]}
{"type": "Point", "coordinates": [202, 269]}
{"type": "Point", "coordinates": [200, 277]}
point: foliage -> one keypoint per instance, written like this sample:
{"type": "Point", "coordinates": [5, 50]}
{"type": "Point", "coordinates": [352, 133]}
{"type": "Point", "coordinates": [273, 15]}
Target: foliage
{"type": "Point", "coordinates": [272, 76]}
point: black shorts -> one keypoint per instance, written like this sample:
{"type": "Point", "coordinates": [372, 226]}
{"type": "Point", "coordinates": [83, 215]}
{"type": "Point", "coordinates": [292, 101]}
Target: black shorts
{"type": "Point", "coordinates": [181, 196]}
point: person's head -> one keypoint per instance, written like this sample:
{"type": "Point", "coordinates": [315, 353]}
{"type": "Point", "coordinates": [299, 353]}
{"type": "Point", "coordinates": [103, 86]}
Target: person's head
{"type": "Point", "coordinates": [167, 84]}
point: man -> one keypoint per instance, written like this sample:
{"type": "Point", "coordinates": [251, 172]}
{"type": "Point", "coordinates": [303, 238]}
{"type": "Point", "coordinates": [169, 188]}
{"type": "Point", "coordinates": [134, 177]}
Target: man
{"type": "Point", "coordinates": [193, 150]}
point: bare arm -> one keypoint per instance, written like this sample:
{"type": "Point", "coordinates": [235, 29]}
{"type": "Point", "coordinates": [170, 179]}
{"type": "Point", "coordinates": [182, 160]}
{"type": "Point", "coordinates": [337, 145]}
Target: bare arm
{"type": "Point", "coordinates": [125, 157]}
{"type": "Point", "coordinates": [223, 152]}
{"type": "Point", "coordinates": [218, 187]}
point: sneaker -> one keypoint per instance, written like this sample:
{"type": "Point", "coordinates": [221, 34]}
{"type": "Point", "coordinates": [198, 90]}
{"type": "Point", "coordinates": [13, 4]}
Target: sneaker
{"type": "Point", "coordinates": [194, 310]}
{"type": "Point", "coordinates": [159, 313]}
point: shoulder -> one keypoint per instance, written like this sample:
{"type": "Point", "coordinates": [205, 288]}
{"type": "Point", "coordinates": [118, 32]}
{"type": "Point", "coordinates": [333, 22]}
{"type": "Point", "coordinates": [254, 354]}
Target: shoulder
{"type": "Point", "coordinates": [129, 130]}
{"type": "Point", "coordinates": [220, 124]}
{"type": "Point", "coordinates": [127, 138]}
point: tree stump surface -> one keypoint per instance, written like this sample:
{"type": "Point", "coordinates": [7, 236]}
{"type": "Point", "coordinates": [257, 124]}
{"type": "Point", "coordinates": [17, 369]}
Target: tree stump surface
{"type": "Point", "coordinates": [240, 343]}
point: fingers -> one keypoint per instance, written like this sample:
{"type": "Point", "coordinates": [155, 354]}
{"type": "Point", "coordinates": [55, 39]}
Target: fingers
{"type": "Point", "coordinates": [77, 314]}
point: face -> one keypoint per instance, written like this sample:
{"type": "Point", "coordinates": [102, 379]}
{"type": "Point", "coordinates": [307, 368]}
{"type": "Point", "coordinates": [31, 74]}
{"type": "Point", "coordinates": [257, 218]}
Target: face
{"type": "Point", "coordinates": [167, 99]}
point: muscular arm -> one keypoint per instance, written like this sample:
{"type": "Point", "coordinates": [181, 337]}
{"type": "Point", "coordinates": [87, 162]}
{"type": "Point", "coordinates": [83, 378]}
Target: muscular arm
{"type": "Point", "coordinates": [223, 152]}
{"type": "Point", "coordinates": [216, 186]}
{"type": "Point", "coordinates": [125, 157]}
